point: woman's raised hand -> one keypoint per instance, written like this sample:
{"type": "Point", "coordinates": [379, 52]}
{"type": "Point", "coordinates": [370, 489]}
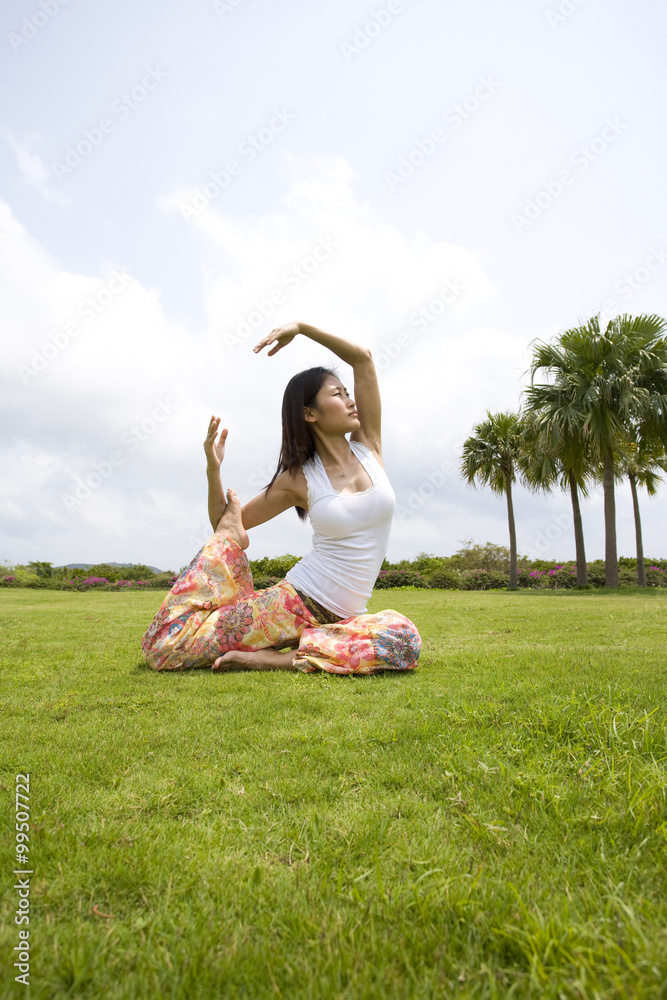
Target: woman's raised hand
{"type": "Point", "coordinates": [280, 337]}
{"type": "Point", "coordinates": [215, 450]}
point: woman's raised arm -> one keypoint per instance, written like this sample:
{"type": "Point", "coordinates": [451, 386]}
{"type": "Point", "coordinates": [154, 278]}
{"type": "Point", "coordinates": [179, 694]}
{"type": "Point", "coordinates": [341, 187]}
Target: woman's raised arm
{"type": "Point", "coordinates": [366, 389]}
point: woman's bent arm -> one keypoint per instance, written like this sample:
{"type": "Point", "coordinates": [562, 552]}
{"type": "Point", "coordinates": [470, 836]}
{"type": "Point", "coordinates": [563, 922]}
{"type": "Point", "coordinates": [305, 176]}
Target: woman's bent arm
{"type": "Point", "coordinates": [351, 354]}
{"type": "Point", "coordinates": [286, 492]}
{"type": "Point", "coordinates": [216, 498]}
{"type": "Point", "coordinates": [366, 389]}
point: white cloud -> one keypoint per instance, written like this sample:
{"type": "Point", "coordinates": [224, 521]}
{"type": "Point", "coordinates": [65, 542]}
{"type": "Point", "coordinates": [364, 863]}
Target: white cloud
{"type": "Point", "coordinates": [115, 417]}
{"type": "Point", "coordinates": [33, 170]}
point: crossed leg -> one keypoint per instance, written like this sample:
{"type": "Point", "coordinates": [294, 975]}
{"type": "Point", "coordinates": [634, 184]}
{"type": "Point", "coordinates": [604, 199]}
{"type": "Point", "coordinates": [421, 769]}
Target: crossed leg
{"type": "Point", "coordinates": [212, 609]}
{"type": "Point", "coordinates": [231, 525]}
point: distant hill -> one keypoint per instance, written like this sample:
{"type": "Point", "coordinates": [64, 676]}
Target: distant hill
{"type": "Point", "coordinates": [103, 563]}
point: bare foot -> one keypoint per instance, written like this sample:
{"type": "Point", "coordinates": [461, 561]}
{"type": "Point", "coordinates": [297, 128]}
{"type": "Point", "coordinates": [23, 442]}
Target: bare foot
{"type": "Point", "coordinates": [231, 523]}
{"type": "Point", "coordinates": [261, 659]}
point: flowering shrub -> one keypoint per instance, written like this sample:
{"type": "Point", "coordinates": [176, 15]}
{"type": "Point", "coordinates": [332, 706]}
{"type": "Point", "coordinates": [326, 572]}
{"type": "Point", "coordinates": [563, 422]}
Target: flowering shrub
{"type": "Point", "coordinates": [482, 579]}
{"type": "Point", "coordinates": [556, 577]}
{"type": "Point", "coordinates": [656, 577]}
{"type": "Point", "coordinates": [423, 571]}
{"type": "Point", "coordinates": [445, 579]}
{"type": "Point", "coordinates": [161, 581]}
{"type": "Point", "coordinates": [563, 577]}
{"type": "Point", "coordinates": [596, 573]}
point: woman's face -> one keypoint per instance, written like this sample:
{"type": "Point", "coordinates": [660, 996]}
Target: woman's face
{"type": "Point", "coordinates": [335, 411]}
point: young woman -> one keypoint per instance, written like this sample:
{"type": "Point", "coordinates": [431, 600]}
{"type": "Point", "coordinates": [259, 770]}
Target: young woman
{"type": "Point", "coordinates": [316, 617]}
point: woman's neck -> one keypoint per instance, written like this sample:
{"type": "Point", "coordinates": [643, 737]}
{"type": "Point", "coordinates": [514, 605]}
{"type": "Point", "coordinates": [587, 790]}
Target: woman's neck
{"type": "Point", "coordinates": [333, 451]}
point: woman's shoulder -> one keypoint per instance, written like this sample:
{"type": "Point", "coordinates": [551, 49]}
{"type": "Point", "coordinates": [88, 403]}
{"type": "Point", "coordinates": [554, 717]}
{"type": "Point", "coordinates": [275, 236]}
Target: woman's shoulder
{"type": "Point", "coordinates": [295, 485]}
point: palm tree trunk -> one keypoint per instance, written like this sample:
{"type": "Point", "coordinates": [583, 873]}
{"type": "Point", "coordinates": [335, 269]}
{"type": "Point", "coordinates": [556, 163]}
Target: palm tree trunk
{"type": "Point", "coordinates": [582, 571]}
{"type": "Point", "coordinates": [641, 570]}
{"type": "Point", "coordinates": [610, 553]}
{"type": "Point", "coordinates": [514, 576]}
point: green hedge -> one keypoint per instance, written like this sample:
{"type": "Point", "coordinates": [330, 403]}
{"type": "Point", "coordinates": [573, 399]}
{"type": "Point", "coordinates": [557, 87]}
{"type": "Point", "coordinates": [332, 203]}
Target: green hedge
{"type": "Point", "coordinates": [426, 571]}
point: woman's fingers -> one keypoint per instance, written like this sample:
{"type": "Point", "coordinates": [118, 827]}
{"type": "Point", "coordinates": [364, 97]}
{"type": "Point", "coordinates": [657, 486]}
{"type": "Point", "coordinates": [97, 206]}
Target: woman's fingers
{"type": "Point", "coordinates": [264, 343]}
{"type": "Point", "coordinates": [280, 336]}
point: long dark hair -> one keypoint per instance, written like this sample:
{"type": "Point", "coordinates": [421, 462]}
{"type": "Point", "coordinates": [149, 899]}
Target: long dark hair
{"type": "Point", "coordinates": [298, 444]}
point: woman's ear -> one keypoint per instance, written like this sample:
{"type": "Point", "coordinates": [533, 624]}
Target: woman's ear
{"type": "Point", "coordinates": [308, 415]}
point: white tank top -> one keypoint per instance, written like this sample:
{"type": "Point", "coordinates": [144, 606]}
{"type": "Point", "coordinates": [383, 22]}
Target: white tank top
{"type": "Point", "coordinates": [351, 534]}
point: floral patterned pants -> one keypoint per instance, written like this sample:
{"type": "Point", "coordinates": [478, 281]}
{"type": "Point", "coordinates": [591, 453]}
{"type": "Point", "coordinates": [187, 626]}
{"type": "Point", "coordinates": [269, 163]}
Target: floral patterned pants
{"type": "Point", "coordinates": [212, 609]}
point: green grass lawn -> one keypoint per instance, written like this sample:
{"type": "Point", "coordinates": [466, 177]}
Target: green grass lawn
{"type": "Point", "coordinates": [493, 824]}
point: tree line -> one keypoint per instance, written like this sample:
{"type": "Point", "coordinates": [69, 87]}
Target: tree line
{"type": "Point", "coordinates": [595, 412]}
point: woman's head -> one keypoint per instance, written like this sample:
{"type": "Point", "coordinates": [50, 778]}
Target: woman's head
{"type": "Point", "coordinates": [298, 442]}
{"type": "Point", "coordinates": [300, 395]}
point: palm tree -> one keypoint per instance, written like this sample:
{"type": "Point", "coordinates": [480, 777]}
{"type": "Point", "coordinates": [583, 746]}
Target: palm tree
{"type": "Point", "coordinates": [549, 456]}
{"type": "Point", "coordinates": [602, 385]}
{"type": "Point", "coordinates": [643, 463]}
{"type": "Point", "coordinates": [489, 459]}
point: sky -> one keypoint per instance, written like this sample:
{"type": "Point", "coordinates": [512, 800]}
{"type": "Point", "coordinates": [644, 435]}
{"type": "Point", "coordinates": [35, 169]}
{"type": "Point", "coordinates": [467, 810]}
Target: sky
{"type": "Point", "coordinates": [442, 182]}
